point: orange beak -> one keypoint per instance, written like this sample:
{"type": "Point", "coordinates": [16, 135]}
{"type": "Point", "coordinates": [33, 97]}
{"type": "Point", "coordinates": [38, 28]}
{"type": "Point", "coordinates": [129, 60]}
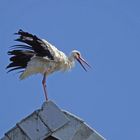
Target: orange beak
{"type": "Point", "coordinates": [82, 62]}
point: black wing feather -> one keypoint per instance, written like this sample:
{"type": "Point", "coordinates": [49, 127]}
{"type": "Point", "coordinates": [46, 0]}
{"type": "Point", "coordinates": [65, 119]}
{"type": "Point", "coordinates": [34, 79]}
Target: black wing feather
{"type": "Point", "coordinates": [21, 47]}
{"type": "Point", "coordinates": [19, 59]}
{"type": "Point", "coordinates": [36, 44]}
{"type": "Point", "coordinates": [22, 53]}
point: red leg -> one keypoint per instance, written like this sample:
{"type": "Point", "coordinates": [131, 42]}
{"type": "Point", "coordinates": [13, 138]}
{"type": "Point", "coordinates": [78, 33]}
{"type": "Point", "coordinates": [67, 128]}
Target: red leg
{"type": "Point", "coordinates": [44, 86]}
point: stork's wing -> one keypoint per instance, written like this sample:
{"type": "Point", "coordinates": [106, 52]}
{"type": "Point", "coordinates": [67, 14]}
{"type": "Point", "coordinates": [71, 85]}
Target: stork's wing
{"type": "Point", "coordinates": [34, 43]}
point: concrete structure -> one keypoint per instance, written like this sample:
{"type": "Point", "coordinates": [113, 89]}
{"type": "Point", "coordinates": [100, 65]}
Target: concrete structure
{"type": "Point", "coordinates": [51, 123]}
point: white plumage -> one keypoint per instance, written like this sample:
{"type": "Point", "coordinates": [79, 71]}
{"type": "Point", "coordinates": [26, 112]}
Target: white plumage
{"type": "Point", "coordinates": [39, 56]}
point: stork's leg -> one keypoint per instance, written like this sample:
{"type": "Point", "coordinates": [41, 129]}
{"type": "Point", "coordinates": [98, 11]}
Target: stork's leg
{"type": "Point", "coordinates": [44, 86]}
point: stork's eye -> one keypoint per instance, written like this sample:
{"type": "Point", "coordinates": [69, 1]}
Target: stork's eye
{"type": "Point", "coordinates": [78, 54]}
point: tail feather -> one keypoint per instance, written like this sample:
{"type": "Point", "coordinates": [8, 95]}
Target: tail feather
{"type": "Point", "coordinates": [29, 71]}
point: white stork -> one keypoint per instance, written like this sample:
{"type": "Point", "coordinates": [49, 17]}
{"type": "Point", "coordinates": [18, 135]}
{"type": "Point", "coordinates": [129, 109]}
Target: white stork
{"type": "Point", "coordinates": [37, 55]}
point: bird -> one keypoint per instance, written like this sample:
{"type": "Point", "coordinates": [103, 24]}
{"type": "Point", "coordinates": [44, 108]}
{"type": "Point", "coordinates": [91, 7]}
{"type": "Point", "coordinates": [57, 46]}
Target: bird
{"type": "Point", "coordinates": [35, 55]}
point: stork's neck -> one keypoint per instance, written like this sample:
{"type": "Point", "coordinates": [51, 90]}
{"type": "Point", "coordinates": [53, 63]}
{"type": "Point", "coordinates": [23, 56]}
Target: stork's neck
{"type": "Point", "coordinates": [71, 58]}
{"type": "Point", "coordinates": [70, 62]}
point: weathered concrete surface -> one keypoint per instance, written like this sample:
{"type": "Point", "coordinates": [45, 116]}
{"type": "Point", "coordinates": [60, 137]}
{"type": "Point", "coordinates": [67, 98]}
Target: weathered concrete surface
{"type": "Point", "coordinates": [50, 122]}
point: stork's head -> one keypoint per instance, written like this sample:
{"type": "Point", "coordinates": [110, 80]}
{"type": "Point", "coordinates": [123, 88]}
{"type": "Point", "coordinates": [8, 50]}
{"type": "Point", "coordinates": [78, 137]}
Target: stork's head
{"type": "Point", "coordinates": [77, 56]}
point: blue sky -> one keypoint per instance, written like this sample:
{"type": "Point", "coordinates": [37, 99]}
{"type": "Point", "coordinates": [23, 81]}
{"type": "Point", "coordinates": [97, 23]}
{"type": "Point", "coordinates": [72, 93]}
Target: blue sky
{"type": "Point", "coordinates": [107, 33]}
